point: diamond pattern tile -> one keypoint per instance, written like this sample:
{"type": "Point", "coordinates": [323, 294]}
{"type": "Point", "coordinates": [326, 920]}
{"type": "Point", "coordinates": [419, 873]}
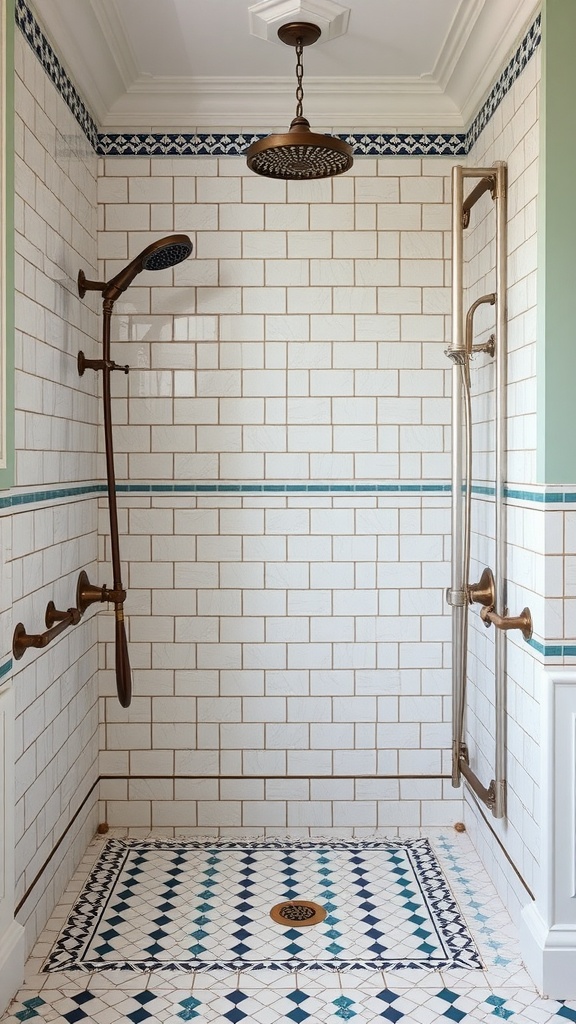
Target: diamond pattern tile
{"type": "Point", "coordinates": [199, 906]}
{"type": "Point", "coordinates": [362, 892]}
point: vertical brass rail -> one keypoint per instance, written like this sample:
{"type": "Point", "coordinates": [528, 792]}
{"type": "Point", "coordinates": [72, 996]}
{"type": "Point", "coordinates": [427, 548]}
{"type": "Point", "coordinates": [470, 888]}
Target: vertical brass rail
{"type": "Point", "coordinates": [500, 201]}
{"type": "Point", "coordinates": [492, 179]}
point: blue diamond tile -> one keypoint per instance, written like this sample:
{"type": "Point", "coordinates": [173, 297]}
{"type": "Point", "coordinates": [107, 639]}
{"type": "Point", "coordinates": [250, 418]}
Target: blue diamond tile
{"type": "Point", "coordinates": [297, 996]}
{"type": "Point", "coordinates": [567, 1013]}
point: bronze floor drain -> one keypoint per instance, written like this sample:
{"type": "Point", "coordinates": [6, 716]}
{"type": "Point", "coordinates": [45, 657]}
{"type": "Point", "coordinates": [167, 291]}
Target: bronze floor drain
{"type": "Point", "coordinates": [297, 913]}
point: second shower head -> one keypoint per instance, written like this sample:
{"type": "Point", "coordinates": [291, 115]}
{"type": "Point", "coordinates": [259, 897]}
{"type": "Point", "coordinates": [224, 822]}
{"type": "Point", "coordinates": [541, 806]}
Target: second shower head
{"type": "Point", "coordinates": [160, 255]}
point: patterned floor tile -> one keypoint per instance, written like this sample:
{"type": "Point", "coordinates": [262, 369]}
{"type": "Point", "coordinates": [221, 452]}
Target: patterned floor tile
{"type": "Point", "coordinates": [500, 991]}
{"type": "Point", "coordinates": [267, 1005]}
{"type": "Point", "coordinates": [200, 906]}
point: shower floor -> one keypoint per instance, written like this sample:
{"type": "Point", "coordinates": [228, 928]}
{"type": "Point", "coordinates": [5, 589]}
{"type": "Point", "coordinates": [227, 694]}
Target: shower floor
{"type": "Point", "coordinates": [179, 930]}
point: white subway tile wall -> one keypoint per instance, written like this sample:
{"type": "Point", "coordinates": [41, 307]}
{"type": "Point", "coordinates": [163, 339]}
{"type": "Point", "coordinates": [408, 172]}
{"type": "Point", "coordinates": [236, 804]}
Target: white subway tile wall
{"type": "Point", "coordinates": [533, 534]}
{"type": "Point", "coordinates": [44, 542]}
{"type": "Point", "coordinates": [288, 631]}
{"type": "Point", "coordinates": [276, 629]}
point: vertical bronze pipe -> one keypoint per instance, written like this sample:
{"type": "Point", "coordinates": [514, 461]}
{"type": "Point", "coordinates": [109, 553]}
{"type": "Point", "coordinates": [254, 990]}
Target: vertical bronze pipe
{"type": "Point", "coordinates": [123, 670]}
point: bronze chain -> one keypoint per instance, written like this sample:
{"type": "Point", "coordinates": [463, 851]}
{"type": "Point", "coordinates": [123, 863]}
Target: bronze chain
{"type": "Point", "coordinates": [299, 76]}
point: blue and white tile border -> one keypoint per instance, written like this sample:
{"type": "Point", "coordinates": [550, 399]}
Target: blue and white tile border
{"type": "Point", "coordinates": [231, 144]}
{"type": "Point", "coordinates": [447, 943]}
{"type": "Point", "coordinates": [235, 144]}
{"type": "Point", "coordinates": [49, 60]}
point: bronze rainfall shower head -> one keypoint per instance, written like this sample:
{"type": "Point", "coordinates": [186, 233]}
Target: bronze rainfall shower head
{"type": "Point", "coordinates": [299, 154]}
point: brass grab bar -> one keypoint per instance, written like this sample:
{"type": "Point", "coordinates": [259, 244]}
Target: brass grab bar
{"type": "Point", "coordinates": [61, 620]}
{"type": "Point", "coordinates": [56, 622]}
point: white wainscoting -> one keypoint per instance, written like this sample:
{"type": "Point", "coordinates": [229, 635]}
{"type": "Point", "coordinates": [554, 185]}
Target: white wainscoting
{"type": "Point", "coordinates": [548, 933]}
{"type": "Point", "coordinates": [11, 933]}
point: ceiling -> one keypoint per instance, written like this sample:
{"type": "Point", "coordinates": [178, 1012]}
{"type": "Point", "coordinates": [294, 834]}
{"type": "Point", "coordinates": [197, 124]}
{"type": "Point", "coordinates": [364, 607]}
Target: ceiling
{"type": "Point", "coordinates": [184, 65]}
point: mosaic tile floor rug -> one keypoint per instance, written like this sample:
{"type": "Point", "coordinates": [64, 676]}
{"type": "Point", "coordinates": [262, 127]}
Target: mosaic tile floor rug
{"type": "Point", "coordinates": [203, 906]}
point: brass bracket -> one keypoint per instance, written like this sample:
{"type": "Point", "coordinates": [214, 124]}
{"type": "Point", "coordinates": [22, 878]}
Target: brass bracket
{"type": "Point", "coordinates": [489, 346]}
{"type": "Point", "coordinates": [485, 184]}
{"type": "Point", "coordinates": [486, 795]}
{"type": "Point", "coordinates": [483, 592]}
{"type": "Point", "coordinates": [98, 364]}
{"type": "Point", "coordinates": [523, 622]}
{"type": "Point", "coordinates": [87, 593]}
{"type": "Point", "coordinates": [84, 285]}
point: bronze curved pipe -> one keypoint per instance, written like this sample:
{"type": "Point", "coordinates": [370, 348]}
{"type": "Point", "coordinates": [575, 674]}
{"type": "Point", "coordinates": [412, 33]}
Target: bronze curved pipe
{"type": "Point", "coordinates": [123, 670]}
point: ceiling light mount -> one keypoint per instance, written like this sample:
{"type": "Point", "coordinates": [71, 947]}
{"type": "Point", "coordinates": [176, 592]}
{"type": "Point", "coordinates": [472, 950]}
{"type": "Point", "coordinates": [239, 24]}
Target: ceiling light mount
{"type": "Point", "coordinates": [296, 32]}
{"type": "Point", "coordinates": [299, 154]}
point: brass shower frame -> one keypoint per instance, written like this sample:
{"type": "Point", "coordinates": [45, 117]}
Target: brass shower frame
{"type": "Point", "coordinates": [491, 595]}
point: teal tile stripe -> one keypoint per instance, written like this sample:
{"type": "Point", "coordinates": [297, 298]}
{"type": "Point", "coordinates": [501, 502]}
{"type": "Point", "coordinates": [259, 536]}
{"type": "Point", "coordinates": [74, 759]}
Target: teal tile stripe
{"type": "Point", "coordinates": [58, 493]}
{"type": "Point", "coordinates": [35, 497]}
{"type": "Point", "coordinates": [5, 668]}
{"type": "Point", "coordinates": [553, 650]}
{"type": "Point", "coordinates": [304, 488]}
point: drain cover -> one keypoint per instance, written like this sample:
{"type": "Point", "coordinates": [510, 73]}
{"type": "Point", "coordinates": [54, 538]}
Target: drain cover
{"type": "Point", "coordinates": [297, 913]}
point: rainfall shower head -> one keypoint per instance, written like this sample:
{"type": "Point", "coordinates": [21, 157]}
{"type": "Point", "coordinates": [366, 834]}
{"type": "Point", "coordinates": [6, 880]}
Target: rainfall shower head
{"type": "Point", "coordinates": [165, 252]}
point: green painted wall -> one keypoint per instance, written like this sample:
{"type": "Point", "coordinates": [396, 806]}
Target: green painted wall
{"type": "Point", "coordinates": [556, 364]}
{"type": "Point", "coordinates": [7, 474]}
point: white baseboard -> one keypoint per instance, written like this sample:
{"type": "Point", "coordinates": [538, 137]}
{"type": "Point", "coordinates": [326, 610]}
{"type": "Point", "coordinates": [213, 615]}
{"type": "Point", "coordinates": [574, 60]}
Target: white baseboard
{"type": "Point", "coordinates": [549, 955]}
{"type": "Point", "coordinates": [11, 963]}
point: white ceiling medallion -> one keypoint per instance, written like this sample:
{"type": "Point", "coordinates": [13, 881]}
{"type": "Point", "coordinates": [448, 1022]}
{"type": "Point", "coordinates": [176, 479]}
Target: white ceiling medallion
{"type": "Point", "coordinates": [267, 16]}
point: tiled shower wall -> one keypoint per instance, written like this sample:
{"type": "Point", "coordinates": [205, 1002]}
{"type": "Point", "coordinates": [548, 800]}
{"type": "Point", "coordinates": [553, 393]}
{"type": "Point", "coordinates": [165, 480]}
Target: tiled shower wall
{"type": "Point", "coordinates": [48, 528]}
{"type": "Point", "coordinates": [284, 432]}
{"type": "Point", "coordinates": [534, 532]}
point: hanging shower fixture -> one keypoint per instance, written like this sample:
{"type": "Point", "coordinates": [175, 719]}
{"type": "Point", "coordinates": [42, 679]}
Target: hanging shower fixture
{"type": "Point", "coordinates": [299, 154]}
{"type": "Point", "coordinates": [160, 255]}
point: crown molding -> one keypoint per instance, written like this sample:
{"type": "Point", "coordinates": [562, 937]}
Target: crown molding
{"type": "Point", "coordinates": [97, 90]}
{"type": "Point", "coordinates": [470, 85]}
{"type": "Point", "coordinates": [98, 54]}
{"type": "Point", "coordinates": [354, 104]}
{"type": "Point", "coordinates": [458, 37]}
{"type": "Point", "coordinates": [107, 15]}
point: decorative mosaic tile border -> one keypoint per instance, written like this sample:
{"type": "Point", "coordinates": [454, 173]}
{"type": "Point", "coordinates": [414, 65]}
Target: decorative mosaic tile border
{"type": "Point", "coordinates": [183, 913]}
{"type": "Point", "coordinates": [511, 72]}
{"type": "Point", "coordinates": [34, 35]}
{"type": "Point", "coordinates": [235, 144]}
{"type": "Point", "coordinates": [231, 144]}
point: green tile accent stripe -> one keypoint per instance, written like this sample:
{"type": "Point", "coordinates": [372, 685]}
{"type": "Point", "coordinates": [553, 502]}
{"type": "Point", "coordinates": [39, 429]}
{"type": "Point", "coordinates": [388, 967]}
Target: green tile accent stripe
{"type": "Point", "coordinates": [282, 488]}
{"type": "Point", "coordinates": [36, 497]}
{"type": "Point", "coordinates": [57, 493]}
{"type": "Point", "coordinates": [553, 650]}
{"type": "Point", "coordinates": [5, 668]}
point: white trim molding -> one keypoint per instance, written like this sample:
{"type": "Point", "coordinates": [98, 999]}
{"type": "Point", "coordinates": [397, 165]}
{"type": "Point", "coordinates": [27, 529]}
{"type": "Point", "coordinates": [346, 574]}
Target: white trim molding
{"type": "Point", "coordinates": [548, 931]}
{"type": "Point", "coordinates": [11, 933]}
